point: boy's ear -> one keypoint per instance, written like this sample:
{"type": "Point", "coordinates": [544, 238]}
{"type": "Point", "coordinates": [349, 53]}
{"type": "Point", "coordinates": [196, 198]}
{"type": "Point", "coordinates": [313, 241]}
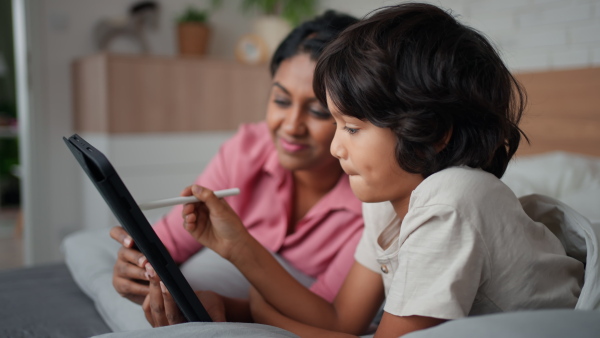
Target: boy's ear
{"type": "Point", "coordinates": [444, 141]}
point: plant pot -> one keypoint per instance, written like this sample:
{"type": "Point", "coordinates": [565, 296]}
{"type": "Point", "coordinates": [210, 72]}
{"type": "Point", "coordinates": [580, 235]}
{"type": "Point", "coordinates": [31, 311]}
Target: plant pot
{"type": "Point", "coordinates": [193, 38]}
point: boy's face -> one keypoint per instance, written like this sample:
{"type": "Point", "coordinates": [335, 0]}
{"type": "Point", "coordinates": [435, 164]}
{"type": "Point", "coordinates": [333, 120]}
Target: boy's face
{"type": "Point", "coordinates": [367, 154]}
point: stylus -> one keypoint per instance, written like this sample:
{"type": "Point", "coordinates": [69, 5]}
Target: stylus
{"type": "Point", "coordinates": [186, 199]}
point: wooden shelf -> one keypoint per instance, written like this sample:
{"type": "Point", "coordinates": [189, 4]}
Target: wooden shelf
{"type": "Point", "coordinates": [142, 94]}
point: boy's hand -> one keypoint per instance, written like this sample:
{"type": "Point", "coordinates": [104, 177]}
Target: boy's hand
{"type": "Point", "coordinates": [213, 223]}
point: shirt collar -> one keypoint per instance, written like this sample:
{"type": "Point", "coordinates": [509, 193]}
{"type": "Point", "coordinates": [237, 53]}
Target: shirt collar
{"type": "Point", "coordinates": [272, 166]}
{"type": "Point", "coordinates": [340, 197]}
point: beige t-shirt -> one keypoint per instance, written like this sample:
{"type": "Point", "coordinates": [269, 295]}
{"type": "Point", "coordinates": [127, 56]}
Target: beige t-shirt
{"type": "Point", "coordinates": [466, 247]}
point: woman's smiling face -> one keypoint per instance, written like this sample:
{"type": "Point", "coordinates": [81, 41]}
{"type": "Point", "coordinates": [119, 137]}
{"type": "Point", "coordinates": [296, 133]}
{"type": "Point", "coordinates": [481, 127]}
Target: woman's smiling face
{"type": "Point", "coordinates": [302, 129]}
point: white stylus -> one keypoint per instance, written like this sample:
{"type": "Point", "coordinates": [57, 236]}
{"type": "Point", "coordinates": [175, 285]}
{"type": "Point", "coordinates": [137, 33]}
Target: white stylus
{"type": "Point", "coordinates": [186, 199]}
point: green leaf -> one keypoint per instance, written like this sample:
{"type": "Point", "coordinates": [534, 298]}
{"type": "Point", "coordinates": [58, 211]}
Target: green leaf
{"type": "Point", "coordinates": [193, 15]}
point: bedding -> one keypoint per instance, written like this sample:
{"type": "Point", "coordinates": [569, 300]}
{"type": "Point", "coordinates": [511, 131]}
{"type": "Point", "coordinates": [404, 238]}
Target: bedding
{"type": "Point", "coordinates": [571, 178]}
{"type": "Point", "coordinates": [581, 239]}
{"type": "Point", "coordinates": [77, 299]}
{"type": "Point", "coordinates": [45, 301]}
{"type": "Point", "coordinates": [526, 324]}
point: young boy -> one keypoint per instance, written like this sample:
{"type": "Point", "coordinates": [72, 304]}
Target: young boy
{"type": "Point", "coordinates": [427, 120]}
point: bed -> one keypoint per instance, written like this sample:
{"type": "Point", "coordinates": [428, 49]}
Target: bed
{"type": "Point", "coordinates": [75, 298]}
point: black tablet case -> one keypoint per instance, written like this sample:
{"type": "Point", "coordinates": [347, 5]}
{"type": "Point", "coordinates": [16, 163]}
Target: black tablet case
{"type": "Point", "coordinates": [126, 210]}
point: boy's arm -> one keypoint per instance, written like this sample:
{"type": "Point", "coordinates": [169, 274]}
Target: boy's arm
{"type": "Point", "coordinates": [396, 326]}
{"type": "Point", "coordinates": [264, 313]}
{"type": "Point", "coordinates": [352, 311]}
{"type": "Point", "coordinates": [214, 224]}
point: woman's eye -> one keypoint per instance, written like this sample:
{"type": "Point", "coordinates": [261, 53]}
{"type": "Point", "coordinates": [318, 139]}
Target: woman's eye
{"type": "Point", "coordinates": [321, 115]}
{"type": "Point", "coordinates": [351, 130]}
{"type": "Point", "coordinates": [282, 103]}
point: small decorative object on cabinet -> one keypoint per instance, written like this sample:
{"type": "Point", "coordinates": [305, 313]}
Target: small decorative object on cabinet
{"type": "Point", "coordinates": [193, 32]}
{"type": "Point", "coordinates": [143, 16]}
{"type": "Point", "coordinates": [251, 49]}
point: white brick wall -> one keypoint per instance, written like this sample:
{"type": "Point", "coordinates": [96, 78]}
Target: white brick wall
{"type": "Point", "coordinates": [538, 34]}
{"type": "Point", "coordinates": [530, 34]}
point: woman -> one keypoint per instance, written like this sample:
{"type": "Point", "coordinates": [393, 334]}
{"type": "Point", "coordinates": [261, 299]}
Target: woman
{"type": "Point", "coordinates": [295, 199]}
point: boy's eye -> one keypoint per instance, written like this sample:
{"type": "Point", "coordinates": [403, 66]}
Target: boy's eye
{"type": "Point", "coordinates": [351, 130]}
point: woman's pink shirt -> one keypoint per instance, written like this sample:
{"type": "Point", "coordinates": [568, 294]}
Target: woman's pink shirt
{"type": "Point", "coordinates": [324, 240]}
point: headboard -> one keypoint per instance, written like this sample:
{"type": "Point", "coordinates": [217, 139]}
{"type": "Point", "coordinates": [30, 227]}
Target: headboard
{"type": "Point", "coordinates": [563, 111]}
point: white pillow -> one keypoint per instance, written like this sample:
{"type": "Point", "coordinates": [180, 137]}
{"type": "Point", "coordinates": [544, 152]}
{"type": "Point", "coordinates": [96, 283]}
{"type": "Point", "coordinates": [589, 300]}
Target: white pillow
{"type": "Point", "coordinates": [586, 202]}
{"type": "Point", "coordinates": [90, 256]}
{"type": "Point", "coordinates": [571, 178]}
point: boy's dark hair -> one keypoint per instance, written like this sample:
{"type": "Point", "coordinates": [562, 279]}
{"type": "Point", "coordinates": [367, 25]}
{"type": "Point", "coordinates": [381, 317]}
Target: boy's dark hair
{"type": "Point", "coordinates": [415, 69]}
{"type": "Point", "coordinates": [311, 37]}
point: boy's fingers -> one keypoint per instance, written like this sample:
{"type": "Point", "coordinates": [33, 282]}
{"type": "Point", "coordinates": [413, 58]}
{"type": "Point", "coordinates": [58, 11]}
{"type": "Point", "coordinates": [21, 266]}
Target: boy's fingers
{"type": "Point", "coordinates": [207, 196]}
{"type": "Point", "coordinates": [187, 191]}
{"type": "Point", "coordinates": [188, 208]}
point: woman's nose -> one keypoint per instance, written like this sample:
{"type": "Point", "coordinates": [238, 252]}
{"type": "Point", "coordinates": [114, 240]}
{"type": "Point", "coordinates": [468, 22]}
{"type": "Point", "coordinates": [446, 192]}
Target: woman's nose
{"type": "Point", "coordinates": [294, 123]}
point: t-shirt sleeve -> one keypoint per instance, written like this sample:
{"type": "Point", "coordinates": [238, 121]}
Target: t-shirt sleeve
{"type": "Point", "coordinates": [328, 284]}
{"type": "Point", "coordinates": [440, 265]}
{"type": "Point", "coordinates": [376, 216]}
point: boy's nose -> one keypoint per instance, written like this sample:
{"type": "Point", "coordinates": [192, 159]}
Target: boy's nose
{"type": "Point", "coordinates": [336, 148]}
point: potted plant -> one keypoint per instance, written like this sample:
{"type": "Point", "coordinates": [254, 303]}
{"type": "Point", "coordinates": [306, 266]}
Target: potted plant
{"type": "Point", "coordinates": [275, 17]}
{"type": "Point", "coordinates": [292, 11]}
{"type": "Point", "coordinates": [193, 32]}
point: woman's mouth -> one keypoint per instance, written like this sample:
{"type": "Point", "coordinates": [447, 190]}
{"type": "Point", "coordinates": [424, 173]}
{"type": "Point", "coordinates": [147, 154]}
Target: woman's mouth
{"type": "Point", "coordinates": [291, 147]}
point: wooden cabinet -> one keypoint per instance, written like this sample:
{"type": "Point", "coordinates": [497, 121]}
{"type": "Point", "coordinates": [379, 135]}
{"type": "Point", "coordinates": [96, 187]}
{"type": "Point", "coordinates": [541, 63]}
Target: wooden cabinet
{"type": "Point", "coordinates": [160, 119]}
{"type": "Point", "coordinates": [140, 94]}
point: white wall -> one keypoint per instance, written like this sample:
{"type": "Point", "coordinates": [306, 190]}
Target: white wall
{"type": "Point", "coordinates": [531, 34]}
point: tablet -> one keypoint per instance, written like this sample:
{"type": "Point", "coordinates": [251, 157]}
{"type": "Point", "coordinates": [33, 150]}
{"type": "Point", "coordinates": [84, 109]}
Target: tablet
{"type": "Point", "coordinates": [126, 210]}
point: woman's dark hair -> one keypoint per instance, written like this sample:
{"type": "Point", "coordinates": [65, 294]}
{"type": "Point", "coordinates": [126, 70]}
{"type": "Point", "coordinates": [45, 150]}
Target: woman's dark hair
{"type": "Point", "coordinates": [415, 69]}
{"type": "Point", "coordinates": [311, 37]}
